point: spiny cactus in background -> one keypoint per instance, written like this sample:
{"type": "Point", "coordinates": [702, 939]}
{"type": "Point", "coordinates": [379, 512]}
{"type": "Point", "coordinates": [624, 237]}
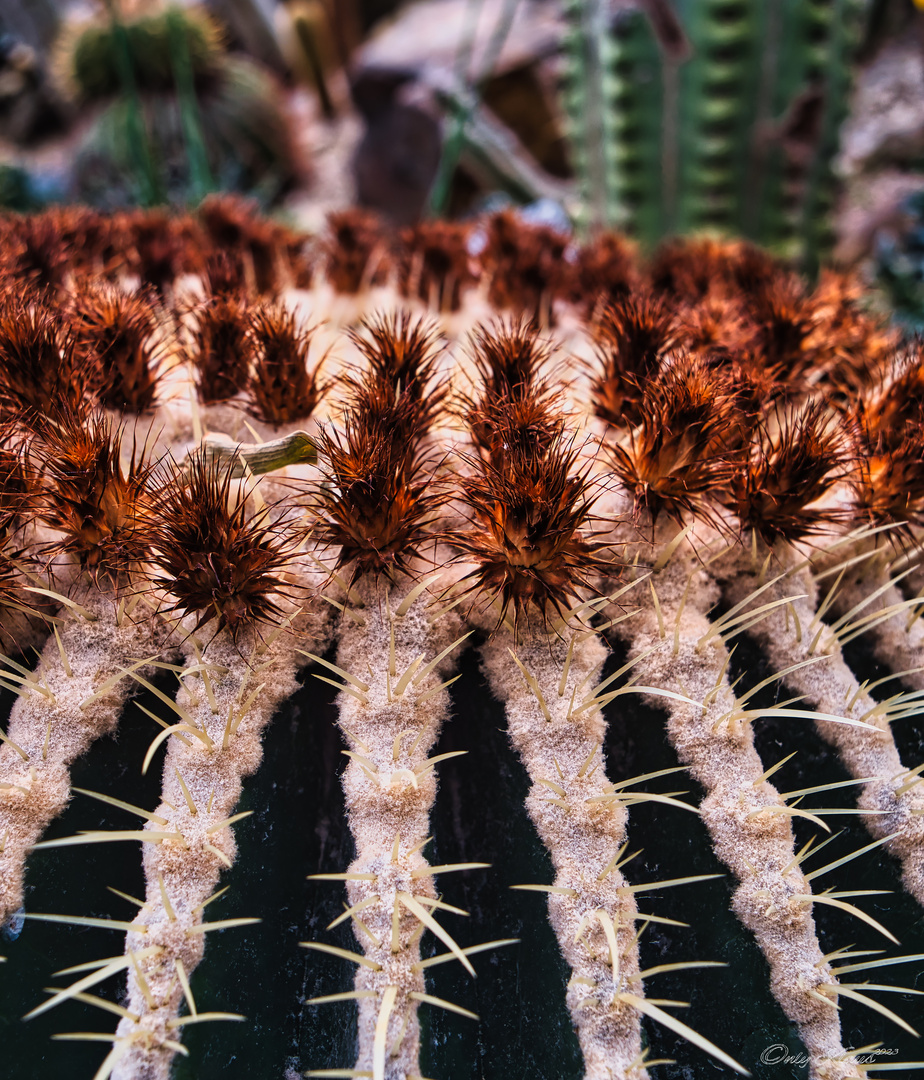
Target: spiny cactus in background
{"type": "Point", "coordinates": [661, 502]}
{"type": "Point", "coordinates": [726, 121]}
{"type": "Point", "coordinates": [182, 116]}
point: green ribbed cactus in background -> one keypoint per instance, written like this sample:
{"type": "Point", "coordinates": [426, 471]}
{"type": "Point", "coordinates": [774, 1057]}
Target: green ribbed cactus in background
{"type": "Point", "coordinates": [733, 131]}
{"type": "Point", "coordinates": [181, 115]}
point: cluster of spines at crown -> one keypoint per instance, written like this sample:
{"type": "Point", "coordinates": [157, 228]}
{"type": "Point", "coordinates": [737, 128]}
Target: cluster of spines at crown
{"type": "Point", "coordinates": [521, 426]}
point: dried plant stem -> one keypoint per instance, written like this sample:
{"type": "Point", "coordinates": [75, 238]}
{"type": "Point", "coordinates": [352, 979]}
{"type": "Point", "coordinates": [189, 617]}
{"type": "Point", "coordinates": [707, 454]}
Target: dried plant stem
{"type": "Point", "coordinates": [390, 715]}
{"type": "Point", "coordinates": [58, 715]}
{"type": "Point", "coordinates": [228, 700]}
{"type": "Point", "coordinates": [757, 846]}
{"type": "Point", "coordinates": [793, 633]}
{"type": "Point", "coordinates": [593, 915]}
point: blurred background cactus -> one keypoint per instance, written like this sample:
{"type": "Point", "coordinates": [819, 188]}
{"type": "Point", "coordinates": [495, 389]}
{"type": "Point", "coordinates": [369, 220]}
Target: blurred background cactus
{"type": "Point", "coordinates": [714, 114]}
{"type": "Point", "coordinates": [181, 116]}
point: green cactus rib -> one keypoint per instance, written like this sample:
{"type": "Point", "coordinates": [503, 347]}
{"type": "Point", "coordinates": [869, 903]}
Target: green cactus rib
{"type": "Point", "coordinates": [612, 97]}
{"type": "Point", "coordinates": [821, 189]}
{"type": "Point", "coordinates": [581, 96]}
{"type": "Point", "coordinates": [712, 142]}
{"type": "Point", "coordinates": [717, 104]}
{"type": "Point", "coordinates": [636, 158]}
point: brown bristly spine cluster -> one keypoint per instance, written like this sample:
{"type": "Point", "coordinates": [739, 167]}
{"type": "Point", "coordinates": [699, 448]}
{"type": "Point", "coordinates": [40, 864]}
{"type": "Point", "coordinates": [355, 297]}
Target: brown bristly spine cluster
{"type": "Point", "coordinates": [379, 506]}
{"type": "Point", "coordinates": [99, 505]}
{"type": "Point", "coordinates": [40, 370]}
{"type": "Point", "coordinates": [525, 265]}
{"type": "Point", "coordinates": [219, 347]}
{"type": "Point", "coordinates": [282, 386]}
{"type": "Point", "coordinates": [117, 338]}
{"type": "Point", "coordinates": [631, 336]}
{"type": "Point", "coordinates": [356, 252]}
{"type": "Point", "coordinates": [269, 255]}
{"type": "Point", "coordinates": [529, 538]}
{"type": "Point", "coordinates": [796, 455]}
{"type": "Point", "coordinates": [15, 482]}
{"type": "Point", "coordinates": [159, 247]}
{"type": "Point", "coordinates": [226, 275]}
{"type": "Point", "coordinates": [691, 428]}
{"type": "Point", "coordinates": [690, 268]}
{"type": "Point", "coordinates": [213, 555]}
{"type": "Point", "coordinates": [889, 487]}
{"type": "Point", "coordinates": [604, 270]}
{"type": "Point", "coordinates": [434, 264]}
{"type": "Point", "coordinates": [34, 254]}
{"type": "Point", "coordinates": [511, 361]}
{"type": "Point", "coordinates": [526, 492]}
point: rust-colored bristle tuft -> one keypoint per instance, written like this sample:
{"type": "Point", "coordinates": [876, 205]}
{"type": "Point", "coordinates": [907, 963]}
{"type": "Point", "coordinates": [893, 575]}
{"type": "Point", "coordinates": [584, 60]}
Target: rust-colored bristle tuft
{"type": "Point", "coordinates": [691, 427]}
{"type": "Point", "coordinates": [514, 427]}
{"type": "Point", "coordinates": [402, 353]}
{"type": "Point", "coordinates": [689, 268]}
{"type": "Point", "coordinates": [380, 503]}
{"type": "Point", "coordinates": [220, 348]}
{"type": "Point", "coordinates": [225, 274]}
{"type": "Point", "coordinates": [434, 264]}
{"type": "Point", "coordinates": [603, 270]}
{"type": "Point", "coordinates": [749, 268]}
{"type": "Point", "coordinates": [40, 372]}
{"type": "Point", "coordinates": [34, 254]}
{"type": "Point", "coordinates": [86, 235]}
{"type": "Point", "coordinates": [232, 221]}
{"type": "Point", "coordinates": [785, 322]}
{"type": "Point", "coordinates": [853, 348]}
{"type": "Point", "coordinates": [214, 558]}
{"type": "Point", "coordinates": [282, 387]}
{"type": "Point", "coordinates": [889, 485]}
{"type": "Point", "coordinates": [888, 412]}
{"type": "Point", "coordinates": [355, 251]}
{"type": "Point", "coordinates": [757, 386]}
{"type": "Point", "coordinates": [527, 538]}
{"type": "Point", "coordinates": [234, 224]}
{"type": "Point", "coordinates": [15, 486]}
{"type": "Point", "coordinates": [117, 337]}
{"type": "Point", "coordinates": [631, 337]}
{"type": "Point", "coordinates": [516, 407]}
{"type": "Point", "coordinates": [511, 359]}
{"type": "Point", "coordinates": [686, 268]}
{"type": "Point", "coordinates": [716, 324]}
{"type": "Point", "coordinates": [525, 264]}
{"type": "Point", "coordinates": [795, 458]}
{"type": "Point", "coordinates": [99, 506]}
{"type": "Point", "coordinates": [159, 246]}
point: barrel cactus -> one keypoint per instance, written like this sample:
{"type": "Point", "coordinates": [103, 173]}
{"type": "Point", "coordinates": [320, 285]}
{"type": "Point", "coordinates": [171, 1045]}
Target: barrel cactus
{"type": "Point", "coordinates": [555, 624]}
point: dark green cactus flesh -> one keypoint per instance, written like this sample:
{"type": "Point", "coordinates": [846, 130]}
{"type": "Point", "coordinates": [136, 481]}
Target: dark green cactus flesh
{"type": "Point", "coordinates": [738, 137]}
